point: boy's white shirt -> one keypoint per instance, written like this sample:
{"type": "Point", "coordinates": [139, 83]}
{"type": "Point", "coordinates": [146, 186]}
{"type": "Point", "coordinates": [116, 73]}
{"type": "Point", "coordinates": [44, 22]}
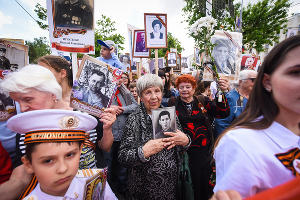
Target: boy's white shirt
{"type": "Point", "coordinates": [75, 191]}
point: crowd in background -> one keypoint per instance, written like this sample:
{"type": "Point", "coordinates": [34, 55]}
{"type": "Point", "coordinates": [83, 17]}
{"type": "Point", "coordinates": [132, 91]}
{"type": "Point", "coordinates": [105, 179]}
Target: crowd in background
{"type": "Point", "coordinates": [241, 136]}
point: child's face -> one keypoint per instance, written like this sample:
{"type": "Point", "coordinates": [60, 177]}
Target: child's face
{"type": "Point", "coordinates": [54, 165]}
{"type": "Point", "coordinates": [105, 52]}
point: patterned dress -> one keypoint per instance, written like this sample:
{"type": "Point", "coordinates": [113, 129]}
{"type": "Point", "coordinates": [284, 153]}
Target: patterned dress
{"type": "Point", "coordinates": [155, 178]}
{"type": "Point", "coordinates": [195, 119]}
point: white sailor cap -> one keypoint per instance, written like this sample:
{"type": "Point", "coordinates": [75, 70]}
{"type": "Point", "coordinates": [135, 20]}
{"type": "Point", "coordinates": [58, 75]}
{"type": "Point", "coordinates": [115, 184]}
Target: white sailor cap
{"type": "Point", "coordinates": [52, 125]}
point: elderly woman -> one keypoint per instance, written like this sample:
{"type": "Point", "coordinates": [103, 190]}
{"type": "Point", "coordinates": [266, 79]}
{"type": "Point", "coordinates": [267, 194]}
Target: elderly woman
{"type": "Point", "coordinates": [194, 114]}
{"type": "Point", "coordinates": [34, 87]}
{"type": "Point", "coordinates": [152, 163]}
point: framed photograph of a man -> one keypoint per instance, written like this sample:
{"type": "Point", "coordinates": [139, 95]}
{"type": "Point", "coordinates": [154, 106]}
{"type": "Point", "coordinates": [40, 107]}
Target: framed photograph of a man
{"type": "Point", "coordinates": [171, 59]}
{"type": "Point", "coordinates": [163, 120]}
{"type": "Point", "coordinates": [95, 85]}
{"type": "Point", "coordinates": [73, 13]}
{"type": "Point", "coordinates": [156, 30]}
{"type": "Point", "coordinates": [139, 49]}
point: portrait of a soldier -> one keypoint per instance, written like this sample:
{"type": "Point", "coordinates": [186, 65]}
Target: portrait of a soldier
{"type": "Point", "coordinates": [73, 13]}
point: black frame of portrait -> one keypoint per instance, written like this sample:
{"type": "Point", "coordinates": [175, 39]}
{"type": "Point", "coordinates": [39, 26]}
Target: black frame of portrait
{"type": "Point", "coordinates": [158, 16]}
{"type": "Point", "coordinates": [134, 52]}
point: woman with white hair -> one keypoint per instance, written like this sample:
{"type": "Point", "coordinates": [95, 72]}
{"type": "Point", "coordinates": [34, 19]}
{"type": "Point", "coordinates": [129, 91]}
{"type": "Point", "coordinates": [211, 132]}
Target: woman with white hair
{"type": "Point", "coordinates": [152, 163]}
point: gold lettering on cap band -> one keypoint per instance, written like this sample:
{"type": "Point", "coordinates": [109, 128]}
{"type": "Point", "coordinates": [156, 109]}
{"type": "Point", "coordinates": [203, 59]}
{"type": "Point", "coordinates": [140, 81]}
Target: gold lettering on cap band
{"type": "Point", "coordinates": [52, 136]}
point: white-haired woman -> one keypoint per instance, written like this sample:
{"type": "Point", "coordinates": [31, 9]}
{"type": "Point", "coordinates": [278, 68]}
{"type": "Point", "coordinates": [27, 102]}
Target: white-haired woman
{"type": "Point", "coordinates": [35, 88]}
{"type": "Point", "coordinates": [152, 163]}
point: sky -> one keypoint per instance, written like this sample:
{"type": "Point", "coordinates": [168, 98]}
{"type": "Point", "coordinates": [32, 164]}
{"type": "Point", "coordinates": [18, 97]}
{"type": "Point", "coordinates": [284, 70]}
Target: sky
{"type": "Point", "coordinates": [16, 23]}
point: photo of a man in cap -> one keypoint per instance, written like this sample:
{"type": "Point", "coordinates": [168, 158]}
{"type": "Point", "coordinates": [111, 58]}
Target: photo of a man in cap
{"type": "Point", "coordinates": [224, 59]}
{"type": "Point", "coordinates": [93, 95]}
{"type": "Point", "coordinates": [108, 56]}
{"type": "Point", "coordinates": [73, 13]}
{"type": "Point", "coordinates": [4, 62]}
{"type": "Point", "coordinates": [140, 42]}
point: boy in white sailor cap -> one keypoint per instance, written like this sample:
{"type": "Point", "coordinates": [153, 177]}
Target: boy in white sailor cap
{"type": "Point", "coordinates": [53, 141]}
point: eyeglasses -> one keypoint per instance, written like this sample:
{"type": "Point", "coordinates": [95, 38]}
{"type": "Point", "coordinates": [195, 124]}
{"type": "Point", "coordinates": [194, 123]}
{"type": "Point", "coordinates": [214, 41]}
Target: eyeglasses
{"type": "Point", "coordinates": [252, 79]}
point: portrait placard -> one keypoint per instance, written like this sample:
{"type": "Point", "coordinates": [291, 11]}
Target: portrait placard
{"type": "Point", "coordinates": [156, 30]}
{"type": "Point", "coordinates": [163, 120]}
{"type": "Point", "coordinates": [7, 105]}
{"type": "Point", "coordinates": [71, 25]}
{"type": "Point", "coordinates": [172, 59]}
{"type": "Point", "coordinates": [227, 52]}
{"type": "Point", "coordinates": [177, 68]}
{"type": "Point", "coordinates": [125, 60]}
{"type": "Point", "coordinates": [161, 65]}
{"type": "Point", "coordinates": [139, 49]}
{"type": "Point", "coordinates": [95, 86]}
{"type": "Point", "coordinates": [197, 56]}
{"type": "Point", "coordinates": [184, 63]}
{"type": "Point", "coordinates": [250, 62]}
{"type": "Point", "coordinates": [13, 56]}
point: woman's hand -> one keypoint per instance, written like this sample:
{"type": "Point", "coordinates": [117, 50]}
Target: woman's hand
{"type": "Point", "coordinates": [108, 117]}
{"type": "Point", "coordinates": [153, 147]}
{"type": "Point", "coordinates": [224, 84]}
{"type": "Point", "coordinates": [178, 138]}
{"type": "Point", "coordinates": [226, 195]}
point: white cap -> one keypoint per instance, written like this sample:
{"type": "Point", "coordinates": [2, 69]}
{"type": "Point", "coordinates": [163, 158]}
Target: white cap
{"type": "Point", "coordinates": [53, 123]}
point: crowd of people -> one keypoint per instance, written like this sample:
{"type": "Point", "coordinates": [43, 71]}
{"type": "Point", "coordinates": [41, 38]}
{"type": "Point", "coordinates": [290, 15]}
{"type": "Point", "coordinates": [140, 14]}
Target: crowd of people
{"type": "Point", "coordinates": [240, 141]}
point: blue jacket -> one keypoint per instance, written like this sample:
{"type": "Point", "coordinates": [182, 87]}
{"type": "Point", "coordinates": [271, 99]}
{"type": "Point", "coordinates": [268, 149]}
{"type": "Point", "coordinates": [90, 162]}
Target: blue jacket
{"type": "Point", "coordinates": [237, 106]}
{"type": "Point", "coordinates": [113, 61]}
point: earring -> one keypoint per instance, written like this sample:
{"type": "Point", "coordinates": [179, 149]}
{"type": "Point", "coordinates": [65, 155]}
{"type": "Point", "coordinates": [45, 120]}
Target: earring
{"type": "Point", "coordinates": [268, 89]}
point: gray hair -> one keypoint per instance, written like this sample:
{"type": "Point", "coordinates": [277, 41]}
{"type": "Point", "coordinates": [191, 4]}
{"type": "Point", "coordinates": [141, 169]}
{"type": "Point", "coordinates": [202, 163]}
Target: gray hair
{"type": "Point", "coordinates": [32, 76]}
{"type": "Point", "coordinates": [244, 74]}
{"type": "Point", "coordinates": [147, 81]}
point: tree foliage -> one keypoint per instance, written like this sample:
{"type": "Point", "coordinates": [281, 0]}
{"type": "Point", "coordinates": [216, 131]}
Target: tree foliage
{"type": "Point", "coordinates": [42, 16]}
{"type": "Point", "coordinates": [106, 30]}
{"type": "Point", "coordinates": [261, 21]}
{"type": "Point", "coordinates": [39, 47]}
{"type": "Point", "coordinates": [172, 43]}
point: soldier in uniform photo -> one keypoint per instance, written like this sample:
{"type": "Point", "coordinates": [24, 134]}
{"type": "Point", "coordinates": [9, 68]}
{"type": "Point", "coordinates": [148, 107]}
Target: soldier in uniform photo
{"type": "Point", "coordinates": [73, 13]}
{"type": "Point", "coordinates": [4, 62]}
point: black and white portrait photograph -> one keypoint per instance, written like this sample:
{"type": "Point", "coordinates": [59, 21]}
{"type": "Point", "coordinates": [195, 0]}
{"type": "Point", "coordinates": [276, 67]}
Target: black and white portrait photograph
{"type": "Point", "coordinates": [161, 64]}
{"type": "Point", "coordinates": [7, 105]}
{"type": "Point", "coordinates": [94, 86]}
{"type": "Point", "coordinates": [125, 60]}
{"type": "Point", "coordinates": [139, 45]}
{"type": "Point", "coordinates": [172, 59]}
{"type": "Point", "coordinates": [184, 62]}
{"type": "Point", "coordinates": [156, 30]}
{"type": "Point", "coordinates": [163, 120]}
{"type": "Point", "coordinates": [13, 56]}
{"type": "Point", "coordinates": [223, 54]}
{"type": "Point", "coordinates": [197, 56]}
{"type": "Point", "coordinates": [74, 13]}
{"type": "Point", "coordinates": [227, 52]}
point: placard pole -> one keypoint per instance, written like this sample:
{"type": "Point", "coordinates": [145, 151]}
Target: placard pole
{"type": "Point", "coordinates": [156, 61]}
{"type": "Point", "coordinates": [74, 65]}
